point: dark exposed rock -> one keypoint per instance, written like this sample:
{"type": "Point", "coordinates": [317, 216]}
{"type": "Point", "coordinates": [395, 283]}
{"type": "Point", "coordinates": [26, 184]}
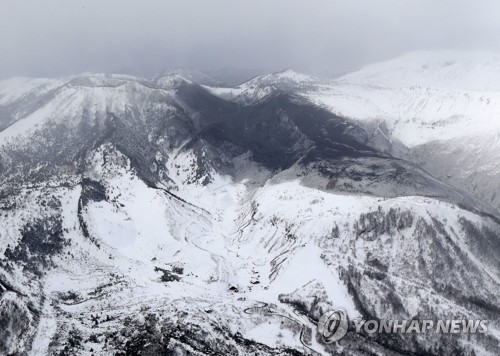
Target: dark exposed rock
{"type": "Point", "coordinates": [40, 240]}
{"type": "Point", "coordinates": [168, 276]}
{"type": "Point", "coordinates": [374, 224]}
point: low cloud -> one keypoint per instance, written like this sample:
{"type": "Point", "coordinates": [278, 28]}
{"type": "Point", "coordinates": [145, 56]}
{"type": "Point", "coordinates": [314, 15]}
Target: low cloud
{"type": "Point", "coordinates": [61, 37]}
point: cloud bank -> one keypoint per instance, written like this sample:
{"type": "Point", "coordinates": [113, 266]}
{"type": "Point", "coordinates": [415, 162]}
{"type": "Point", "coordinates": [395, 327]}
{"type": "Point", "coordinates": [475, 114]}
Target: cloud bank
{"type": "Point", "coordinates": [61, 37]}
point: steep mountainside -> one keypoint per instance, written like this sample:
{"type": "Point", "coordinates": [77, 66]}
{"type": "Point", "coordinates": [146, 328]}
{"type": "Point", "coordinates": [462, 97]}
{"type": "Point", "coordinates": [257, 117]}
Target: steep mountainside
{"type": "Point", "coordinates": [166, 217]}
{"type": "Point", "coordinates": [437, 109]}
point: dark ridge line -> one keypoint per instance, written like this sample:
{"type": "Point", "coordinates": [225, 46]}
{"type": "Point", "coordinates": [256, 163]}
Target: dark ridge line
{"type": "Point", "coordinates": [150, 185]}
{"type": "Point", "coordinates": [8, 288]}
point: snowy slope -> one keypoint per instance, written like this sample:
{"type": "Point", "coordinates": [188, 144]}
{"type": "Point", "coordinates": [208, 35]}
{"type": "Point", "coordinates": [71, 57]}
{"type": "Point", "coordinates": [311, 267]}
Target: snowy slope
{"type": "Point", "coordinates": [15, 89]}
{"type": "Point", "coordinates": [422, 97]}
{"type": "Point", "coordinates": [443, 106]}
{"type": "Point", "coordinates": [452, 70]}
{"type": "Point", "coordinates": [265, 243]}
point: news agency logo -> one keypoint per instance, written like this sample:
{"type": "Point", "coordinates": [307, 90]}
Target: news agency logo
{"type": "Point", "coordinates": [333, 326]}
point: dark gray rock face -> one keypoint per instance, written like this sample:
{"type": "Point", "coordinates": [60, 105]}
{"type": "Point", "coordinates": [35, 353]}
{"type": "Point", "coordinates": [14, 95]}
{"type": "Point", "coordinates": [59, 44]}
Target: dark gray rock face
{"type": "Point", "coordinates": [15, 321]}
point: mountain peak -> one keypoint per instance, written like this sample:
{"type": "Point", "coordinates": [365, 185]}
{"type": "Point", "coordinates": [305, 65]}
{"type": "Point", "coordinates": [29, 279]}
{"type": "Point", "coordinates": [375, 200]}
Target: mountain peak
{"type": "Point", "coordinates": [285, 77]}
{"type": "Point", "coordinates": [173, 77]}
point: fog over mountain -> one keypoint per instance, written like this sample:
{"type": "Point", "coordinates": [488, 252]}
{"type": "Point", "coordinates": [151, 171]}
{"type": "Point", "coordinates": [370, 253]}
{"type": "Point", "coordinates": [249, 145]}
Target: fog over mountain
{"type": "Point", "coordinates": [57, 37]}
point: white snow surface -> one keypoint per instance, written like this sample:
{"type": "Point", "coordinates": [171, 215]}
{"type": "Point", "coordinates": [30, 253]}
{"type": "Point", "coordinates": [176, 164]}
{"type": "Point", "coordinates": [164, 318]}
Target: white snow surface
{"type": "Point", "coordinates": [422, 97]}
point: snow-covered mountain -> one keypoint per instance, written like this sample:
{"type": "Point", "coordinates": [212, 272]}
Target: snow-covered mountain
{"type": "Point", "coordinates": [422, 97]}
{"type": "Point", "coordinates": [440, 110]}
{"type": "Point", "coordinates": [259, 87]}
{"type": "Point", "coordinates": [444, 107]}
{"type": "Point", "coordinates": [452, 70]}
{"type": "Point", "coordinates": [166, 217]}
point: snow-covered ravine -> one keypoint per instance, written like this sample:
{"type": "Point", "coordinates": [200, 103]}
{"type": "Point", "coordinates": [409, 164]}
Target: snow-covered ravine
{"type": "Point", "coordinates": [226, 256]}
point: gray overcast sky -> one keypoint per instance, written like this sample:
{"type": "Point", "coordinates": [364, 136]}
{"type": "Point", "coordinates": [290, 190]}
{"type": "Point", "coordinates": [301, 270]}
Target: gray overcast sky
{"type": "Point", "coordinates": [60, 37]}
